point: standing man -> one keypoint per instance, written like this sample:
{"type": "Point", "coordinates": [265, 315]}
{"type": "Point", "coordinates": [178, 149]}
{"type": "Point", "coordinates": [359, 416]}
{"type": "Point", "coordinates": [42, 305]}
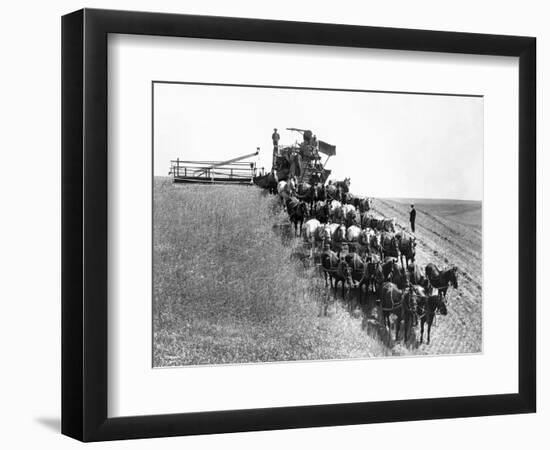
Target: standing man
{"type": "Point", "coordinates": [275, 138]}
{"type": "Point", "coordinates": [412, 217]}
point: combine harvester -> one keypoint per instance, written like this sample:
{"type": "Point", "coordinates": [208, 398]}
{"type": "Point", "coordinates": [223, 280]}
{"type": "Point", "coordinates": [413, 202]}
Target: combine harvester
{"type": "Point", "coordinates": [301, 159]}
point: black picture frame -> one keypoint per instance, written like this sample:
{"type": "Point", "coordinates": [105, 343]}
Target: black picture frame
{"type": "Point", "coordinates": [84, 224]}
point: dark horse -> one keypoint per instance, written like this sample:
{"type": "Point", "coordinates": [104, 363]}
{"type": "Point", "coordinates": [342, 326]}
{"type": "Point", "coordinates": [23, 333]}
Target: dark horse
{"type": "Point", "coordinates": [297, 211]}
{"type": "Point", "coordinates": [407, 247]}
{"type": "Point", "coordinates": [394, 273]}
{"type": "Point", "coordinates": [374, 274]}
{"type": "Point", "coordinates": [364, 272]}
{"type": "Point", "coordinates": [321, 211]}
{"type": "Point", "coordinates": [310, 193]}
{"type": "Point", "coordinates": [442, 279]}
{"type": "Point", "coordinates": [363, 204]}
{"type": "Point", "coordinates": [389, 245]}
{"type": "Point", "coordinates": [348, 199]}
{"type": "Point", "coordinates": [426, 309]}
{"type": "Point", "coordinates": [343, 185]}
{"type": "Point", "coordinates": [272, 181]}
{"type": "Point", "coordinates": [357, 266]}
{"type": "Point", "coordinates": [334, 192]}
{"type": "Point", "coordinates": [399, 302]}
{"type": "Point", "coordinates": [337, 269]}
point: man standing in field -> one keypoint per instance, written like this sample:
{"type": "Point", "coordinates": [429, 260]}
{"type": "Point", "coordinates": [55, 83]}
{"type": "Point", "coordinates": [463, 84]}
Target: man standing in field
{"type": "Point", "coordinates": [412, 217]}
{"type": "Point", "coordinates": [275, 138]}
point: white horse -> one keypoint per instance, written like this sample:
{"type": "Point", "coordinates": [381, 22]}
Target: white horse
{"type": "Point", "coordinates": [286, 190]}
{"type": "Point", "coordinates": [335, 209]}
{"type": "Point", "coordinates": [310, 227]}
{"type": "Point", "coordinates": [369, 240]}
{"type": "Point", "coordinates": [350, 215]}
{"type": "Point", "coordinates": [347, 208]}
{"type": "Point", "coordinates": [309, 233]}
{"type": "Point", "coordinates": [352, 233]}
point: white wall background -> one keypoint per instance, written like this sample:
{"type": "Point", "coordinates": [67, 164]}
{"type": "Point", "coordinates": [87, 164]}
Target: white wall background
{"type": "Point", "coordinates": [30, 229]}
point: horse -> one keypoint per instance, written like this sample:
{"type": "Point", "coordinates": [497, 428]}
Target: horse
{"type": "Point", "coordinates": [352, 233]}
{"type": "Point", "coordinates": [407, 246]}
{"type": "Point", "coordinates": [389, 245]}
{"type": "Point", "coordinates": [374, 273]}
{"type": "Point", "coordinates": [309, 231]}
{"type": "Point", "coordinates": [335, 210]}
{"type": "Point", "coordinates": [272, 181]}
{"type": "Point", "coordinates": [310, 193]}
{"type": "Point", "coordinates": [363, 204]}
{"type": "Point", "coordinates": [297, 211]}
{"type": "Point", "coordinates": [321, 211]}
{"type": "Point", "coordinates": [338, 235]}
{"type": "Point", "coordinates": [385, 224]}
{"type": "Point", "coordinates": [357, 266]}
{"type": "Point", "coordinates": [365, 272]}
{"type": "Point", "coordinates": [364, 241]}
{"type": "Point", "coordinates": [350, 216]}
{"type": "Point", "coordinates": [348, 198]}
{"type": "Point", "coordinates": [343, 185]}
{"type": "Point", "coordinates": [442, 279]}
{"type": "Point", "coordinates": [394, 272]}
{"type": "Point", "coordinates": [370, 241]}
{"type": "Point", "coordinates": [415, 275]}
{"type": "Point", "coordinates": [334, 192]}
{"type": "Point", "coordinates": [398, 302]}
{"type": "Point", "coordinates": [323, 235]}
{"type": "Point", "coordinates": [336, 268]}
{"type": "Point", "coordinates": [304, 191]}
{"type": "Point", "coordinates": [370, 221]}
{"type": "Point", "coordinates": [286, 189]}
{"type": "Point", "coordinates": [319, 192]}
{"type": "Point", "coordinates": [426, 309]}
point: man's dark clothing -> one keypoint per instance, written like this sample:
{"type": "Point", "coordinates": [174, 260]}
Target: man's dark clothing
{"type": "Point", "coordinates": [275, 137]}
{"type": "Point", "coordinates": [412, 218]}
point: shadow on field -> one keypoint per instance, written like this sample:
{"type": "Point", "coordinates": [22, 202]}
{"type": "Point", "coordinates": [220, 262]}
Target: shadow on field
{"type": "Point", "coordinates": [359, 304]}
{"type": "Point", "coordinates": [364, 305]}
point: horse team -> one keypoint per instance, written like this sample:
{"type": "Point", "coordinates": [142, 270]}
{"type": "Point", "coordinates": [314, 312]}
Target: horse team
{"type": "Point", "coordinates": [360, 249]}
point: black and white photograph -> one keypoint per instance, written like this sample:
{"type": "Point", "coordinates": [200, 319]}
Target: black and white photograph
{"type": "Point", "coordinates": [311, 224]}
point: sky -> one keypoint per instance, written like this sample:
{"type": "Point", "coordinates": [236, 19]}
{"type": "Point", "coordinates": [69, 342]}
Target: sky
{"type": "Point", "coordinates": [389, 144]}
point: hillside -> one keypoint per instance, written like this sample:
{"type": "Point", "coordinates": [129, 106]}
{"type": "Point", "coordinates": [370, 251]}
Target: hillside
{"type": "Point", "coordinates": [227, 291]}
{"type": "Point", "coordinates": [229, 288]}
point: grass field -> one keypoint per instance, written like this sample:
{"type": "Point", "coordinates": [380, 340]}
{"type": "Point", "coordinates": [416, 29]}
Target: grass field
{"type": "Point", "coordinates": [225, 289]}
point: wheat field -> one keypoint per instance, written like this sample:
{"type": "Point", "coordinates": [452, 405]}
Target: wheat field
{"type": "Point", "coordinates": [227, 290]}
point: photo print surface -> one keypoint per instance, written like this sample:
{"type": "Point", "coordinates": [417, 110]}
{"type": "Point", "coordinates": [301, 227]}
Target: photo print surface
{"type": "Point", "coordinates": [295, 224]}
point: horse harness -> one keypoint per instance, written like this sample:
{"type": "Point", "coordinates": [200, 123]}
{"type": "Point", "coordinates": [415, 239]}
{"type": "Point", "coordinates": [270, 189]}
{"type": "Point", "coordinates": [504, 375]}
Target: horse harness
{"type": "Point", "coordinates": [394, 305]}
